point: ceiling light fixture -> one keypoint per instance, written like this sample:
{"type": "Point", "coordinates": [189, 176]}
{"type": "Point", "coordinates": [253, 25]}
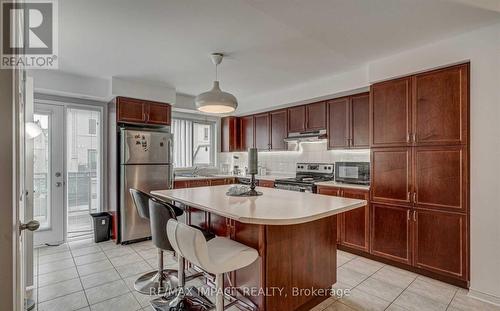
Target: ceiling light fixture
{"type": "Point", "coordinates": [215, 100]}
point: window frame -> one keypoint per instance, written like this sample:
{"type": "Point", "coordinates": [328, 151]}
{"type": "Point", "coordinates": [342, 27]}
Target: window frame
{"type": "Point", "coordinates": [213, 142]}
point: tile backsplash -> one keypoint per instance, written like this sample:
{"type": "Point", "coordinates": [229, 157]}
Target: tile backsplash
{"type": "Point", "coordinates": [284, 162]}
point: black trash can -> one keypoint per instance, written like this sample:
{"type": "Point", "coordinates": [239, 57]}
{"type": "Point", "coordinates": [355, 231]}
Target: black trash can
{"type": "Point", "coordinates": [102, 226]}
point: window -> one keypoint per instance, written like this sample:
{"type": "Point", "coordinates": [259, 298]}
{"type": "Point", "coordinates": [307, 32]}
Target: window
{"type": "Point", "coordinates": [92, 126]}
{"type": "Point", "coordinates": [92, 159]}
{"type": "Point", "coordinates": [193, 143]}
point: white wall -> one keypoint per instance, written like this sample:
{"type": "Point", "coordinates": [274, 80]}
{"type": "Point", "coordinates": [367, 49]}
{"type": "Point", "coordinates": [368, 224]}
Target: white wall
{"type": "Point", "coordinates": [143, 90]}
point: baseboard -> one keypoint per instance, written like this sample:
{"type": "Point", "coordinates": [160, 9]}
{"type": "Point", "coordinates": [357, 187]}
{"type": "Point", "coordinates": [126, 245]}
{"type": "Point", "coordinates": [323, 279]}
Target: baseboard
{"type": "Point", "coordinates": [484, 297]}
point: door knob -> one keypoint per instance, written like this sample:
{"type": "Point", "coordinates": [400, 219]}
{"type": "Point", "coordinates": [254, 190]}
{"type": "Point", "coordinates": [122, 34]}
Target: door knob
{"type": "Point", "coordinates": [58, 184]}
{"type": "Point", "coordinates": [31, 225]}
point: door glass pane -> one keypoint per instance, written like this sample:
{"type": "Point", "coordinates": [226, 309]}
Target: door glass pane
{"type": "Point", "coordinates": [83, 169]}
{"type": "Point", "coordinates": [201, 143]}
{"type": "Point", "coordinates": [41, 172]}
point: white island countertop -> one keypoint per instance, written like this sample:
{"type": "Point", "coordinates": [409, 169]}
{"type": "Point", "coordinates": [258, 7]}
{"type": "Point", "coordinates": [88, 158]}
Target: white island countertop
{"type": "Point", "coordinates": [274, 207]}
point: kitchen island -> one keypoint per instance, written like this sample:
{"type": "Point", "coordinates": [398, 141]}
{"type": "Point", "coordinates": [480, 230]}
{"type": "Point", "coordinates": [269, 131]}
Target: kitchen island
{"type": "Point", "coordinates": [294, 233]}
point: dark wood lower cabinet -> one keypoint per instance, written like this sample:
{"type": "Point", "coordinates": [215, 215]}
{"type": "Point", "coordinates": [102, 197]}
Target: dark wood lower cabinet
{"type": "Point", "coordinates": [279, 265]}
{"type": "Point", "coordinates": [440, 242]}
{"type": "Point", "coordinates": [391, 232]}
{"type": "Point", "coordinates": [355, 224]}
{"type": "Point", "coordinates": [352, 226]}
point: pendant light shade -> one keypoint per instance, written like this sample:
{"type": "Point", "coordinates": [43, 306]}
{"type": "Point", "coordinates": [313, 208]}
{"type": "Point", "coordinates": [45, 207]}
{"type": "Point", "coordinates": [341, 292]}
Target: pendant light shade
{"type": "Point", "coordinates": [216, 100]}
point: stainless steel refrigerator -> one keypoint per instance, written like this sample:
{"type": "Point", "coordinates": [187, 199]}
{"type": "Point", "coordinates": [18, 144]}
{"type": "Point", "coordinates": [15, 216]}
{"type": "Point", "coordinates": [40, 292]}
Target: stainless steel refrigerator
{"type": "Point", "coordinates": [145, 164]}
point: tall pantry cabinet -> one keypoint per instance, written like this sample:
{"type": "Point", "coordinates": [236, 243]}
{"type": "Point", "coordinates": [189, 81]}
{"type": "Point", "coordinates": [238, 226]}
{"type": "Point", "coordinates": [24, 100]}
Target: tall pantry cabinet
{"type": "Point", "coordinates": [419, 143]}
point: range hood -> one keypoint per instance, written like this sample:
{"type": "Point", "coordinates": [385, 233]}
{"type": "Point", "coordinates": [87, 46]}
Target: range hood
{"type": "Point", "coordinates": [306, 136]}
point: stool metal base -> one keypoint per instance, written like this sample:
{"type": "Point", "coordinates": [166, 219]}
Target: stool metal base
{"type": "Point", "coordinates": [183, 300]}
{"type": "Point", "coordinates": [149, 283]}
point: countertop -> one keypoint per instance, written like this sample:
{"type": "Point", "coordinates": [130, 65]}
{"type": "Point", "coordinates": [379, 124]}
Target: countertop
{"type": "Point", "coordinates": [342, 185]}
{"type": "Point", "coordinates": [274, 207]}
{"type": "Point", "coordinates": [222, 176]}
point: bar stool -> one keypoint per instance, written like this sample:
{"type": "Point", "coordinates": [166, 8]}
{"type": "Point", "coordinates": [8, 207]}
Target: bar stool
{"type": "Point", "coordinates": [152, 282]}
{"type": "Point", "coordinates": [217, 256]}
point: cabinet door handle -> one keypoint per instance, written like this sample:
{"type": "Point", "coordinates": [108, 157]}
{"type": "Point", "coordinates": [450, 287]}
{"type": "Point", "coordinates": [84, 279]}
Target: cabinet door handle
{"type": "Point", "coordinates": [408, 196]}
{"type": "Point", "coordinates": [414, 215]}
{"type": "Point", "coordinates": [408, 215]}
{"type": "Point", "coordinates": [414, 197]}
{"type": "Point", "coordinates": [414, 137]}
{"type": "Point", "coordinates": [407, 137]}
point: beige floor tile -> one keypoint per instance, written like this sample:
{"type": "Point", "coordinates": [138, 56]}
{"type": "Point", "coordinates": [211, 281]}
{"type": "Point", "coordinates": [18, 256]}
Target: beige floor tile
{"type": "Point", "coordinates": [395, 307]}
{"type": "Point", "coordinates": [90, 258]}
{"type": "Point", "coordinates": [81, 243]}
{"type": "Point", "coordinates": [346, 254]}
{"type": "Point", "coordinates": [56, 266]}
{"type": "Point", "coordinates": [119, 251]}
{"type": "Point", "coordinates": [125, 302]}
{"type": "Point", "coordinates": [57, 276]}
{"type": "Point", "coordinates": [47, 250]}
{"type": "Point", "coordinates": [100, 278]}
{"type": "Point", "coordinates": [395, 276]}
{"type": "Point", "coordinates": [362, 301]}
{"type": "Point", "coordinates": [56, 290]}
{"type": "Point", "coordinates": [134, 268]}
{"type": "Point", "coordinates": [463, 302]}
{"type": "Point", "coordinates": [380, 289]}
{"type": "Point", "coordinates": [106, 291]}
{"type": "Point", "coordinates": [324, 304]}
{"type": "Point", "coordinates": [341, 259]}
{"type": "Point", "coordinates": [350, 277]}
{"type": "Point", "coordinates": [74, 301]}
{"type": "Point", "coordinates": [338, 306]}
{"type": "Point", "coordinates": [440, 292]}
{"type": "Point", "coordinates": [143, 300]}
{"type": "Point", "coordinates": [94, 267]}
{"type": "Point", "coordinates": [85, 251]}
{"type": "Point", "coordinates": [414, 302]}
{"type": "Point", "coordinates": [54, 257]}
{"type": "Point", "coordinates": [125, 259]}
{"type": "Point", "coordinates": [362, 266]}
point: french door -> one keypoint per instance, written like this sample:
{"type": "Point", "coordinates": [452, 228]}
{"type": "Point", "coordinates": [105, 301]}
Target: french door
{"type": "Point", "coordinates": [48, 174]}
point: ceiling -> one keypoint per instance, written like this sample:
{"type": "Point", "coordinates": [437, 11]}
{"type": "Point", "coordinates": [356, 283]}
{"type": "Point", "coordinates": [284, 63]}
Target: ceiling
{"type": "Point", "coordinates": [270, 44]}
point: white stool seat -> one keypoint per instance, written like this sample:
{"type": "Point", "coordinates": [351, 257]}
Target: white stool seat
{"type": "Point", "coordinates": [227, 255]}
{"type": "Point", "coordinates": [219, 255]}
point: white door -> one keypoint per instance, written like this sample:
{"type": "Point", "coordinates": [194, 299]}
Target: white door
{"type": "Point", "coordinates": [48, 175]}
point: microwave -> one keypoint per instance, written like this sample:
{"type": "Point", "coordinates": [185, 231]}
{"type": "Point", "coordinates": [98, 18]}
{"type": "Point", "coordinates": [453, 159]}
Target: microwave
{"type": "Point", "coordinates": [353, 172]}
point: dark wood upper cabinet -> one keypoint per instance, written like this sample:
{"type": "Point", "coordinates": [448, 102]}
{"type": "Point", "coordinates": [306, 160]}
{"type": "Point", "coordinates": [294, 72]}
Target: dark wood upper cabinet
{"type": "Point", "coordinates": [440, 177]}
{"type": "Point", "coordinates": [359, 121]}
{"type": "Point", "coordinates": [391, 232]}
{"type": "Point", "coordinates": [229, 134]}
{"type": "Point", "coordinates": [348, 119]}
{"type": "Point", "coordinates": [158, 114]}
{"type": "Point", "coordinates": [247, 133]}
{"type": "Point", "coordinates": [261, 124]}
{"type": "Point", "coordinates": [296, 119]}
{"type": "Point", "coordinates": [440, 242]}
{"type": "Point", "coordinates": [355, 223]}
{"type": "Point", "coordinates": [391, 175]}
{"type": "Point", "coordinates": [338, 125]}
{"type": "Point", "coordinates": [440, 106]}
{"type": "Point", "coordinates": [131, 110]}
{"type": "Point", "coordinates": [279, 129]}
{"type": "Point", "coordinates": [316, 116]}
{"type": "Point", "coordinates": [390, 117]}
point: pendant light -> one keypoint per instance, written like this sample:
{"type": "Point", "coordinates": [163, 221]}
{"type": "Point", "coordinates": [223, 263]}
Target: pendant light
{"type": "Point", "coordinates": [215, 100]}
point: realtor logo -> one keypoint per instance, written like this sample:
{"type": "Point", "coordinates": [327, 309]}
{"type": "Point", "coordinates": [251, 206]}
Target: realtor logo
{"type": "Point", "coordinates": [29, 34]}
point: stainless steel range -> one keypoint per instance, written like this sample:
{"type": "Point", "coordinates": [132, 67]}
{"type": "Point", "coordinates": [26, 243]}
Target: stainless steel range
{"type": "Point", "coordinates": [306, 175]}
